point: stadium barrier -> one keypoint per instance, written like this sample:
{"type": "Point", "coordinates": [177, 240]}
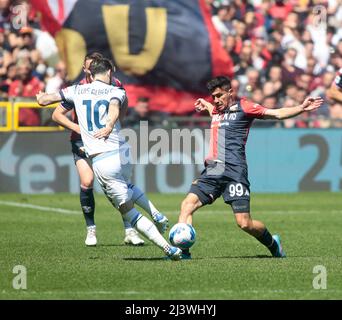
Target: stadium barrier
{"type": "Point", "coordinates": [280, 160]}
{"type": "Point", "coordinates": [6, 116]}
{"type": "Point", "coordinates": [10, 119]}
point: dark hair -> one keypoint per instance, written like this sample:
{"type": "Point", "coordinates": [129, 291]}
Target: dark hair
{"type": "Point", "coordinates": [93, 55]}
{"type": "Point", "coordinates": [99, 66]}
{"type": "Point", "coordinates": [219, 82]}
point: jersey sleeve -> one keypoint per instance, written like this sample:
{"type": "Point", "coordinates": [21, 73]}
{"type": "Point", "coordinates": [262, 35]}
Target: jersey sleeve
{"type": "Point", "coordinates": [67, 105]}
{"type": "Point", "coordinates": [68, 94]}
{"type": "Point", "coordinates": [252, 109]}
{"type": "Point", "coordinates": [120, 95]}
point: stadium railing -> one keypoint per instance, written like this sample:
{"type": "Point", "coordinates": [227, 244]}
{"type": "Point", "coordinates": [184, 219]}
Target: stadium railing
{"type": "Point", "coordinates": [10, 116]}
{"type": "Point", "coordinates": [6, 116]}
{"type": "Point", "coordinates": [10, 119]}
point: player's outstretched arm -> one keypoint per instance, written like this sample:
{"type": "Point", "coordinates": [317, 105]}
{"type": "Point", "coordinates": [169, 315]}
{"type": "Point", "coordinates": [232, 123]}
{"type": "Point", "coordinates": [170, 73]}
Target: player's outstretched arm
{"type": "Point", "coordinates": [112, 117]}
{"type": "Point", "coordinates": [59, 116]}
{"type": "Point", "coordinates": [201, 105]}
{"type": "Point", "coordinates": [44, 99]}
{"type": "Point", "coordinates": [309, 104]}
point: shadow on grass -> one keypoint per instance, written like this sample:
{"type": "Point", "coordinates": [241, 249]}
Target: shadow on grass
{"type": "Point", "coordinates": [122, 245]}
{"type": "Point", "coordinates": [145, 259]}
{"type": "Point", "coordinates": [158, 259]}
{"type": "Point", "coordinates": [259, 256]}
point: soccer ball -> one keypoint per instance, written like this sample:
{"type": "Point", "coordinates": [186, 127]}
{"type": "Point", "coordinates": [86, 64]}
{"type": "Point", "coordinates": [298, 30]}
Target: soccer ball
{"type": "Point", "coordinates": [182, 235]}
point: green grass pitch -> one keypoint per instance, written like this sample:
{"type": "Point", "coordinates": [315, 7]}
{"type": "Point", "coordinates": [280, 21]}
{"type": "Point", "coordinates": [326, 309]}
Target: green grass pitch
{"type": "Point", "coordinates": [227, 263]}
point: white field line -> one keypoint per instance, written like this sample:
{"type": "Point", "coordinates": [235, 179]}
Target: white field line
{"type": "Point", "coordinates": [35, 207]}
{"type": "Point", "coordinates": [227, 211]}
{"type": "Point", "coordinates": [183, 292]}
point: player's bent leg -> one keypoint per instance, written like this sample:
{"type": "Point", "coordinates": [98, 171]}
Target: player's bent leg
{"type": "Point", "coordinates": [189, 205]}
{"type": "Point", "coordinates": [258, 230]}
{"type": "Point", "coordinates": [148, 229]}
{"type": "Point", "coordinates": [140, 198]}
{"type": "Point", "coordinates": [131, 235]}
{"type": "Point", "coordinates": [252, 227]}
{"type": "Point", "coordinates": [108, 173]}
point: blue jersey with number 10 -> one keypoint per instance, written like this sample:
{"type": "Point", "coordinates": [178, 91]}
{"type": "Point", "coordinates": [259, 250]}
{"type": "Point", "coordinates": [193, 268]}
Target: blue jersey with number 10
{"type": "Point", "coordinates": [91, 104]}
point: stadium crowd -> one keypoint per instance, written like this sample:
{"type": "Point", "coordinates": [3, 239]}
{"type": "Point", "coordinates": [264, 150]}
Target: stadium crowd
{"type": "Point", "coordinates": [282, 51]}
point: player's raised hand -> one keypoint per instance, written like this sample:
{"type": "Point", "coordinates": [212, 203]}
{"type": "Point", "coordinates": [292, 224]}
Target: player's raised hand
{"type": "Point", "coordinates": [39, 96]}
{"type": "Point", "coordinates": [201, 105]}
{"type": "Point", "coordinates": [311, 103]}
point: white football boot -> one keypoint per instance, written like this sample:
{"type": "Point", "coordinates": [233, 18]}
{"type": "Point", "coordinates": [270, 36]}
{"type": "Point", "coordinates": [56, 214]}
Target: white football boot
{"type": "Point", "coordinates": [91, 236]}
{"type": "Point", "coordinates": [132, 238]}
{"type": "Point", "coordinates": [161, 222]}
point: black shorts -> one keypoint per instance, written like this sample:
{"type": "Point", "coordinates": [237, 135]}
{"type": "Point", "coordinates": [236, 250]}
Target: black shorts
{"type": "Point", "coordinates": [76, 151]}
{"type": "Point", "coordinates": [235, 192]}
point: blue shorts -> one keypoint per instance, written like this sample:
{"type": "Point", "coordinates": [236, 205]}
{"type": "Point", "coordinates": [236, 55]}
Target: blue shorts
{"type": "Point", "coordinates": [211, 185]}
{"type": "Point", "coordinates": [76, 151]}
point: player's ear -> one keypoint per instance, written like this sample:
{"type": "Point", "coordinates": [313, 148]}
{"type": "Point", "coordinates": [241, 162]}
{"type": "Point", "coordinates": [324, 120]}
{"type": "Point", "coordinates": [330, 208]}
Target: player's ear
{"type": "Point", "coordinates": [109, 75]}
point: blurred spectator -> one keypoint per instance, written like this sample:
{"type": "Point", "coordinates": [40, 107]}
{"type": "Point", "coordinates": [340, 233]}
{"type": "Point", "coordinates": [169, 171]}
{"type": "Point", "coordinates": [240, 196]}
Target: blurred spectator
{"type": "Point", "coordinates": [230, 46]}
{"type": "Point", "coordinates": [292, 39]}
{"type": "Point", "coordinates": [222, 20]}
{"type": "Point", "coordinates": [250, 83]}
{"type": "Point", "coordinates": [141, 112]}
{"type": "Point", "coordinates": [26, 86]}
{"type": "Point", "coordinates": [289, 71]}
{"type": "Point", "coordinates": [26, 46]}
{"type": "Point", "coordinates": [270, 102]}
{"type": "Point", "coordinates": [5, 55]}
{"type": "Point", "coordinates": [257, 96]}
{"type": "Point", "coordinates": [58, 81]}
{"type": "Point", "coordinates": [275, 76]}
{"type": "Point", "coordinates": [5, 13]}
{"type": "Point", "coordinates": [268, 88]}
{"type": "Point", "coordinates": [280, 10]}
{"type": "Point", "coordinates": [11, 73]}
{"type": "Point", "coordinates": [245, 59]}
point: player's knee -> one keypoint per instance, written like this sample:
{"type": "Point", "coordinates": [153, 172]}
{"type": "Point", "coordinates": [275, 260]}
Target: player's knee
{"type": "Point", "coordinates": [125, 207]}
{"type": "Point", "coordinates": [244, 227]}
{"type": "Point", "coordinates": [87, 182]}
{"type": "Point", "coordinates": [244, 224]}
{"type": "Point", "coordinates": [188, 206]}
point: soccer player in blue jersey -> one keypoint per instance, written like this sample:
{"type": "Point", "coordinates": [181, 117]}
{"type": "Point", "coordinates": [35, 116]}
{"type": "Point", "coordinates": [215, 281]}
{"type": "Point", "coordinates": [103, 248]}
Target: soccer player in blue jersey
{"type": "Point", "coordinates": [85, 171]}
{"type": "Point", "coordinates": [225, 172]}
{"type": "Point", "coordinates": [97, 105]}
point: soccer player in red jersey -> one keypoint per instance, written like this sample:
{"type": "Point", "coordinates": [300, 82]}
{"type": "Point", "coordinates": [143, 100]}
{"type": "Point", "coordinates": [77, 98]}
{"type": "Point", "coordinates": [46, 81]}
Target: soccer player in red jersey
{"type": "Point", "coordinates": [226, 172]}
{"type": "Point", "coordinates": [86, 174]}
{"type": "Point", "coordinates": [335, 91]}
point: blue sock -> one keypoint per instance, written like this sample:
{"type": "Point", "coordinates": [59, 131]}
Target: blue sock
{"type": "Point", "coordinates": [88, 205]}
{"type": "Point", "coordinates": [267, 240]}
